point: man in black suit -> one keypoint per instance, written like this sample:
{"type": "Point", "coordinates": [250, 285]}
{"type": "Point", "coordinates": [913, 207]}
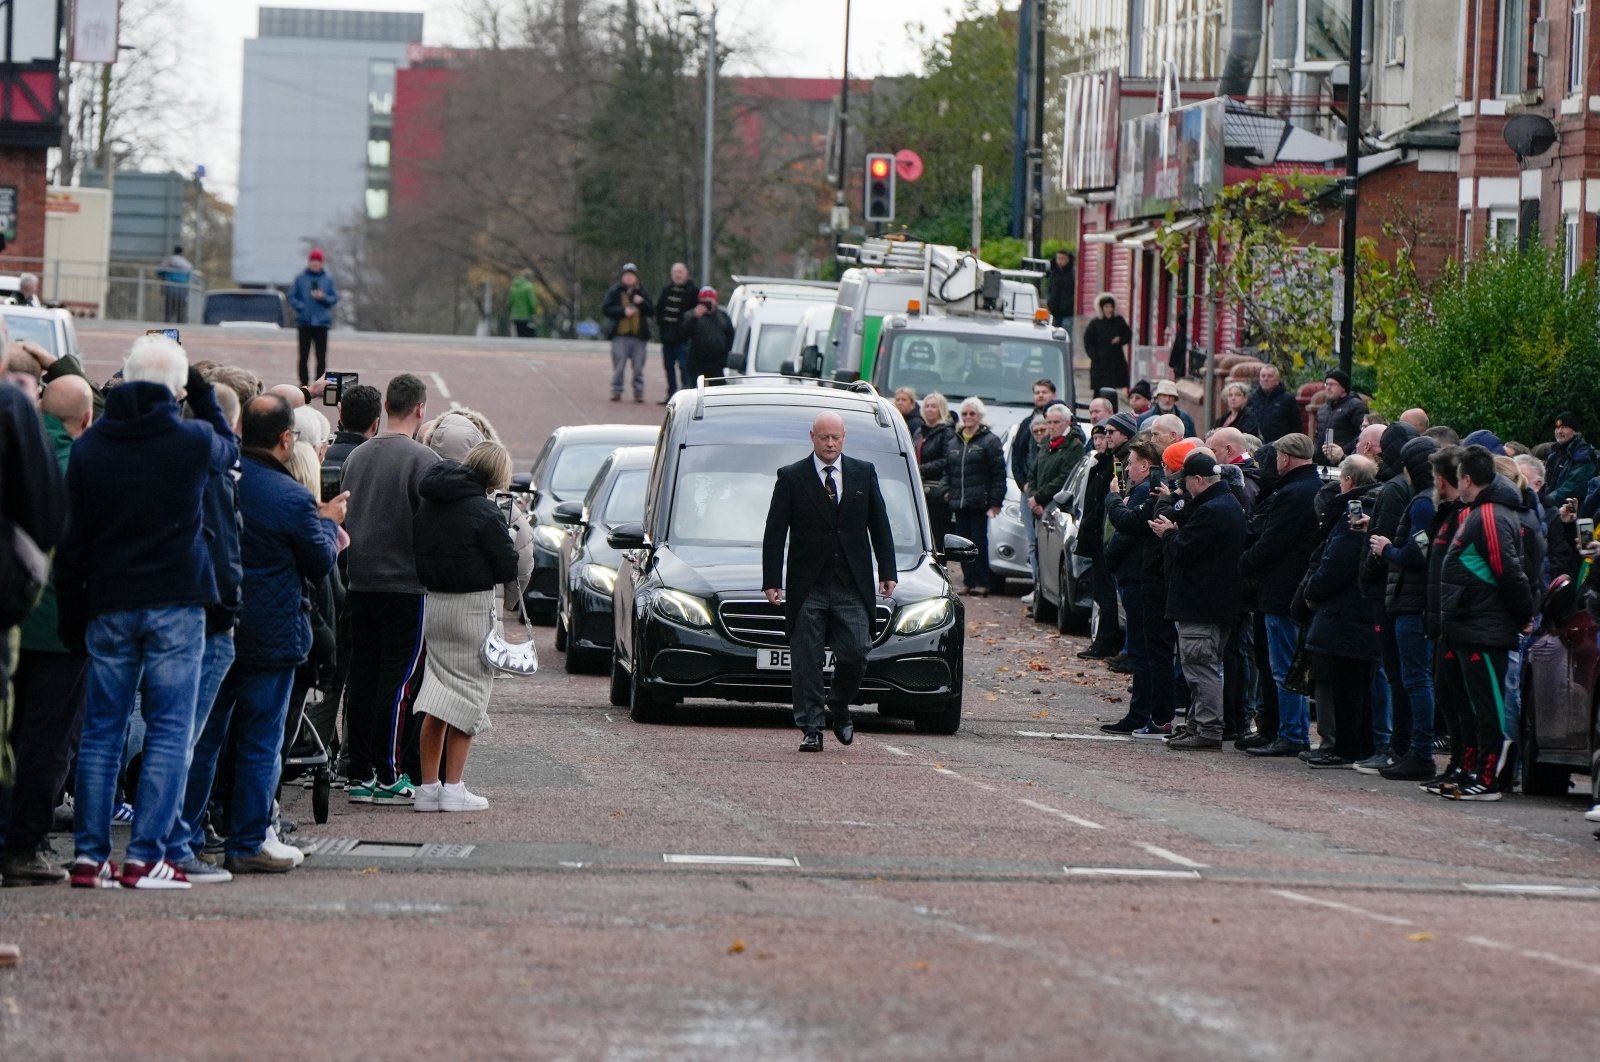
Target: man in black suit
{"type": "Point", "coordinates": [826, 506]}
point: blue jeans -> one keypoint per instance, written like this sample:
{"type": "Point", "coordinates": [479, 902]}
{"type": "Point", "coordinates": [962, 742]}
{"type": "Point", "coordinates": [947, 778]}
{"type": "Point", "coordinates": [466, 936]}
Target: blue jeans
{"type": "Point", "coordinates": [1294, 717]}
{"type": "Point", "coordinates": [675, 358]}
{"type": "Point", "coordinates": [1513, 687]}
{"type": "Point", "coordinates": [1138, 656]}
{"type": "Point", "coordinates": [188, 837]}
{"type": "Point", "coordinates": [164, 646]}
{"type": "Point", "coordinates": [1382, 710]}
{"type": "Point", "coordinates": [253, 703]}
{"type": "Point", "coordinates": [1416, 671]}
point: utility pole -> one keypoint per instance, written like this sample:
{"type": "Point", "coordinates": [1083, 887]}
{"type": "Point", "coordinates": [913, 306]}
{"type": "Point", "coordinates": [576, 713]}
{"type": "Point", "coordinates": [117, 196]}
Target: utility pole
{"type": "Point", "coordinates": [707, 161]}
{"type": "Point", "coordinates": [1041, 14]}
{"type": "Point", "coordinates": [1352, 163]}
{"type": "Point", "coordinates": [841, 212]}
{"type": "Point", "coordinates": [1021, 155]}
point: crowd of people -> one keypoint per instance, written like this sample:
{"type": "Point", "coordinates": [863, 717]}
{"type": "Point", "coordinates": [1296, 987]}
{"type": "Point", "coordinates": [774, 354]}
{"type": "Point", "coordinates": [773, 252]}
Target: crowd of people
{"type": "Point", "coordinates": [696, 333]}
{"type": "Point", "coordinates": [200, 572]}
{"type": "Point", "coordinates": [1384, 579]}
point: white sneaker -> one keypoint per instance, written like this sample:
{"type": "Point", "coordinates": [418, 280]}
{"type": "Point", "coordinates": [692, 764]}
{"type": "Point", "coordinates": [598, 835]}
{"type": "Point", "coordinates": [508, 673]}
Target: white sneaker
{"type": "Point", "coordinates": [1593, 814]}
{"type": "Point", "coordinates": [427, 797]}
{"type": "Point", "coordinates": [1027, 599]}
{"type": "Point", "coordinates": [278, 850]}
{"type": "Point", "coordinates": [458, 798]}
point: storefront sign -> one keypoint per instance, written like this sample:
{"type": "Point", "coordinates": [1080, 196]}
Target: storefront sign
{"type": "Point", "coordinates": [1170, 161]}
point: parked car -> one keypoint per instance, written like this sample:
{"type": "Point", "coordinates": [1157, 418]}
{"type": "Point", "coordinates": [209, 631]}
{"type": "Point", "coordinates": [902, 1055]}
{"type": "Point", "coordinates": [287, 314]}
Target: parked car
{"type": "Point", "coordinates": [1063, 595]}
{"type": "Point", "coordinates": [588, 571]}
{"type": "Point", "coordinates": [246, 308]}
{"type": "Point", "coordinates": [1561, 696]}
{"type": "Point", "coordinates": [691, 618]}
{"type": "Point", "coordinates": [53, 329]}
{"type": "Point", "coordinates": [1008, 539]}
{"type": "Point", "coordinates": [564, 471]}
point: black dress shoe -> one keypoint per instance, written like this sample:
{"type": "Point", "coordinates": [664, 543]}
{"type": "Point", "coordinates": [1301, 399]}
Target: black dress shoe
{"type": "Point", "coordinates": [812, 742]}
{"type": "Point", "coordinates": [1121, 726]}
{"type": "Point", "coordinates": [1252, 741]}
{"type": "Point", "coordinates": [1278, 747]}
{"type": "Point", "coordinates": [844, 728]}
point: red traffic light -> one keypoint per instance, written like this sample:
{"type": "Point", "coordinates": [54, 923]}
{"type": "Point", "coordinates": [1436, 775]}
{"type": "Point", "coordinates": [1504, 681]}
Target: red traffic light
{"type": "Point", "coordinates": [879, 167]}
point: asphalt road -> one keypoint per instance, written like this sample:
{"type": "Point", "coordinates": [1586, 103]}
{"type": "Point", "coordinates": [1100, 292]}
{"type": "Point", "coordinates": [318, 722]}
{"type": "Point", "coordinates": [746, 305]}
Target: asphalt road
{"type": "Point", "coordinates": [1024, 889]}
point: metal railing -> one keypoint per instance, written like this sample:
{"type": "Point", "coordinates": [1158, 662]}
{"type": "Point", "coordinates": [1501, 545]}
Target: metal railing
{"type": "Point", "coordinates": [130, 291]}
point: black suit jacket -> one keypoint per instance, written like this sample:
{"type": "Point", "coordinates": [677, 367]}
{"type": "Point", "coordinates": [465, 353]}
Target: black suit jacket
{"type": "Point", "coordinates": [816, 528]}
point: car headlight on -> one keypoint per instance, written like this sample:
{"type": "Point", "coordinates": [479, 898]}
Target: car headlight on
{"type": "Point", "coordinates": [549, 536]}
{"type": "Point", "coordinates": [601, 578]}
{"type": "Point", "coordinates": [924, 616]}
{"type": "Point", "coordinates": [683, 608]}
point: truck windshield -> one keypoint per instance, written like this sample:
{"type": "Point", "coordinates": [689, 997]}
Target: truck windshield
{"type": "Point", "coordinates": [996, 368]}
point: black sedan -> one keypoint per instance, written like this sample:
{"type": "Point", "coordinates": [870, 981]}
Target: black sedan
{"type": "Point", "coordinates": [563, 471]}
{"type": "Point", "coordinates": [691, 619]}
{"type": "Point", "coordinates": [589, 563]}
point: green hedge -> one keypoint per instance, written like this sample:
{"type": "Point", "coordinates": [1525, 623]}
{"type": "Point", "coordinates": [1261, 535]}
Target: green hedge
{"type": "Point", "coordinates": [1506, 345]}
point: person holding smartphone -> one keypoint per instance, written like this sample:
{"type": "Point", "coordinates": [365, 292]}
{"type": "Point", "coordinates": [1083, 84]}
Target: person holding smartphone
{"type": "Point", "coordinates": [313, 296]}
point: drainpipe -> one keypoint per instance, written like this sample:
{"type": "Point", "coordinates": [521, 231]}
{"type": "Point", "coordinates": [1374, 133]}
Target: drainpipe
{"type": "Point", "coordinates": [1244, 47]}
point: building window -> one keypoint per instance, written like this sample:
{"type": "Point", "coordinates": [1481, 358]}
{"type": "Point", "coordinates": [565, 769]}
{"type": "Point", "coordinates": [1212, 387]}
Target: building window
{"type": "Point", "coordinates": [1514, 48]}
{"type": "Point", "coordinates": [1570, 247]}
{"type": "Point", "coordinates": [1577, 47]}
{"type": "Point", "coordinates": [1502, 230]}
{"type": "Point", "coordinates": [377, 203]}
{"type": "Point", "coordinates": [1397, 32]}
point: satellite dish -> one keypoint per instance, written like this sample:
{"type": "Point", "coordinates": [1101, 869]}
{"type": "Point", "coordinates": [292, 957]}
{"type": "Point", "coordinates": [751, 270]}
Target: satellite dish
{"type": "Point", "coordinates": [1529, 135]}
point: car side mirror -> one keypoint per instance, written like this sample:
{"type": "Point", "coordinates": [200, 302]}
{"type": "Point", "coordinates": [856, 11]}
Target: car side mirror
{"type": "Point", "coordinates": [522, 482]}
{"type": "Point", "coordinates": [626, 536]}
{"type": "Point", "coordinates": [1064, 500]}
{"type": "Point", "coordinates": [568, 512]}
{"type": "Point", "coordinates": [961, 550]}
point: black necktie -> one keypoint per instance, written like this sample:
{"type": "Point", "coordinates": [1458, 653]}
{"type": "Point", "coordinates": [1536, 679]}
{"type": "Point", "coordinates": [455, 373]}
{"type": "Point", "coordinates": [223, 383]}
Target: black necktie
{"type": "Point", "coordinates": [833, 491]}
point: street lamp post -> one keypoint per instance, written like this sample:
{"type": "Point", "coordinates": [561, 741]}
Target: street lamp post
{"type": "Point", "coordinates": [707, 161]}
{"type": "Point", "coordinates": [1352, 163]}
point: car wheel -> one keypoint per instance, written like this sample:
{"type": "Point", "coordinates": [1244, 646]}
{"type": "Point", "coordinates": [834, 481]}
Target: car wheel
{"type": "Point", "coordinates": [1043, 610]}
{"type": "Point", "coordinates": [944, 717]}
{"type": "Point", "coordinates": [1066, 619]}
{"type": "Point", "coordinates": [1539, 779]}
{"type": "Point", "coordinates": [561, 634]}
{"type": "Point", "coordinates": [647, 707]}
{"type": "Point", "coordinates": [621, 685]}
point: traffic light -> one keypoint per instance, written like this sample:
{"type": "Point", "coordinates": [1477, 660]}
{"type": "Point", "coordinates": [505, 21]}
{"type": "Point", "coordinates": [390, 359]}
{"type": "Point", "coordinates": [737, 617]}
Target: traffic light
{"type": "Point", "coordinates": [880, 188]}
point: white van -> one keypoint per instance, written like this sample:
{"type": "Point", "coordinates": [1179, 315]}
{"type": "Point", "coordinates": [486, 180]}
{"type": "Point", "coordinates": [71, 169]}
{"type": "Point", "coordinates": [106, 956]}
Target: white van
{"type": "Point", "coordinates": [765, 313]}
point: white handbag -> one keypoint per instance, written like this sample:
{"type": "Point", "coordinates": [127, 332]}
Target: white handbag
{"type": "Point", "coordinates": [518, 659]}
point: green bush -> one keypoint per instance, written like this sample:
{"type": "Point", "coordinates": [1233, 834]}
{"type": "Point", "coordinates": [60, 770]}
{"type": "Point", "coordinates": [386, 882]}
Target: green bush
{"type": "Point", "coordinates": [1507, 345]}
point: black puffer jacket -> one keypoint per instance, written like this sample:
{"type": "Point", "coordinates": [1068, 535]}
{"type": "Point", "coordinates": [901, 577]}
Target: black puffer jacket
{"type": "Point", "coordinates": [1446, 519]}
{"type": "Point", "coordinates": [1132, 533]}
{"type": "Point", "coordinates": [461, 538]}
{"type": "Point", "coordinates": [975, 471]}
{"type": "Point", "coordinates": [1092, 528]}
{"type": "Point", "coordinates": [1285, 533]}
{"type": "Point", "coordinates": [931, 448]}
{"type": "Point", "coordinates": [1345, 623]}
{"type": "Point", "coordinates": [1343, 418]}
{"type": "Point", "coordinates": [1534, 546]}
{"type": "Point", "coordinates": [1406, 586]}
{"type": "Point", "coordinates": [1485, 597]}
{"type": "Point", "coordinates": [1391, 500]}
{"type": "Point", "coordinates": [1202, 559]}
{"type": "Point", "coordinates": [1276, 413]}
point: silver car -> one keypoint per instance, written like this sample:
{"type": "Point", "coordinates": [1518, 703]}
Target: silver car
{"type": "Point", "coordinates": [1008, 539]}
{"type": "Point", "coordinates": [1063, 595]}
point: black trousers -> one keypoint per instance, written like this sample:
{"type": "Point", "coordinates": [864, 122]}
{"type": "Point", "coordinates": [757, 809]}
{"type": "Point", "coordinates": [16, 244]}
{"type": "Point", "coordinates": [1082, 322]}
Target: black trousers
{"type": "Point", "coordinates": [973, 525]}
{"type": "Point", "coordinates": [523, 327]}
{"type": "Point", "coordinates": [50, 690]}
{"type": "Point", "coordinates": [1108, 629]}
{"type": "Point", "coordinates": [1483, 673]}
{"type": "Point", "coordinates": [1233, 720]}
{"type": "Point", "coordinates": [385, 674]}
{"type": "Point", "coordinates": [833, 616]}
{"type": "Point", "coordinates": [1267, 718]}
{"type": "Point", "coordinates": [1161, 655]}
{"type": "Point", "coordinates": [1451, 708]}
{"type": "Point", "coordinates": [1399, 702]}
{"type": "Point", "coordinates": [1344, 689]}
{"type": "Point", "coordinates": [313, 337]}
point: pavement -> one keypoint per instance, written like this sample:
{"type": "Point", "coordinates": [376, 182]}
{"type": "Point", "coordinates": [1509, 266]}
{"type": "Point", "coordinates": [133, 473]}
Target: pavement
{"type": "Point", "coordinates": [1028, 888]}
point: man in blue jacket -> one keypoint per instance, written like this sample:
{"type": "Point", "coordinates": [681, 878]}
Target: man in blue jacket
{"type": "Point", "coordinates": [313, 297]}
{"type": "Point", "coordinates": [287, 541]}
{"type": "Point", "coordinates": [133, 579]}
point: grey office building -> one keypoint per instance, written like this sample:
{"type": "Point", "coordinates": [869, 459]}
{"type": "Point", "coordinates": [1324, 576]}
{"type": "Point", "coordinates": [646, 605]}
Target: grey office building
{"type": "Point", "coordinates": [314, 133]}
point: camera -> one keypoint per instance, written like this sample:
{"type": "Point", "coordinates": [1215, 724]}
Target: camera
{"type": "Point", "coordinates": [337, 382]}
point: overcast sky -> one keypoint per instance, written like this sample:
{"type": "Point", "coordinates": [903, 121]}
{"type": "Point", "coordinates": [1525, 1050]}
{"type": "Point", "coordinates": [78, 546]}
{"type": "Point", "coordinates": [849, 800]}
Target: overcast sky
{"type": "Point", "coordinates": [797, 38]}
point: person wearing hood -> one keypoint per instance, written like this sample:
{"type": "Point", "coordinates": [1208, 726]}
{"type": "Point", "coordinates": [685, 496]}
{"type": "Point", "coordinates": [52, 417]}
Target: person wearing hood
{"type": "Point", "coordinates": [1108, 341]}
{"type": "Point", "coordinates": [133, 579]}
{"type": "Point", "coordinates": [1343, 636]}
{"type": "Point", "coordinates": [1404, 556]}
{"type": "Point", "coordinates": [1392, 736]}
{"type": "Point", "coordinates": [627, 310]}
{"type": "Point", "coordinates": [1486, 601]}
{"type": "Point", "coordinates": [709, 332]}
{"type": "Point", "coordinates": [453, 437]}
{"type": "Point", "coordinates": [464, 553]}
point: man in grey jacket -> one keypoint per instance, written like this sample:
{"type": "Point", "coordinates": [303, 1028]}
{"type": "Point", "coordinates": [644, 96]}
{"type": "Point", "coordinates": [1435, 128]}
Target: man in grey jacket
{"type": "Point", "coordinates": [386, 600]}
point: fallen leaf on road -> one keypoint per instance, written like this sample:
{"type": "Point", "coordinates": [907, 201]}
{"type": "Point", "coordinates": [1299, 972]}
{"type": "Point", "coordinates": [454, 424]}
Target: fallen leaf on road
{"type": "Point", "coordinates": [991, 696]}
{"type": "Point", "coordinates": [1419, 937]}
{"type": "Point", "coordinates": [736, 948]}
{"type": "Point", "coordinates": [367, 870]}
{"type": "Point", "coordinates": [1042, 713]}
{"type": "Point", "coordinates": [1002, 669]}
{"type": "Point", "coordinates": [917, 964]}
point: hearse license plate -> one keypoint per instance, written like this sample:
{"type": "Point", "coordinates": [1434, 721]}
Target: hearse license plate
{"type": "Point", "coordinates": [778, 660]}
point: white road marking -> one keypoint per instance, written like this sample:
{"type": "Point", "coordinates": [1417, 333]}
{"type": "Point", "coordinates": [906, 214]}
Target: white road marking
{"type": "Point", "coordinates": [1072, 737]}
{"type": "Point", "coordinates": [1088, 824]}
{"type": "Point", "coordinates": [574, 866]}
{"type": "Point", "coordinates": [1132, 872]}
{"type": "Point", "coordinates": [1171, 857]}
{"type": "Point", "coordinates": [438, 381]}
{"type": "Point", "coordinates": [897, 752]}
{"type": "Point", "coordinates": [946, 770]}
{"type": "Point", "coordinates": [1335, 905]}
{"type": "Point", "coordinates": [1535, 890]}
{"type": "Point", "coordinates": [1540, 956]}
{"type": "Point", "coordinates": [731, 861]}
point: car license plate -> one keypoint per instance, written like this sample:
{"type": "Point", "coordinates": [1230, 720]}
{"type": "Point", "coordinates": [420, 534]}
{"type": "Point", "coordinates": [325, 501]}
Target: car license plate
{"type": "Point", "coordinates": [778, 660]}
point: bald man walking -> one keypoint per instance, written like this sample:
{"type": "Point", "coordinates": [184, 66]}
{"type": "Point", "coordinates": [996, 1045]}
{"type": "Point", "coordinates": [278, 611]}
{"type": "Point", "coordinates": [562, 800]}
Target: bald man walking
{"type": "Point", "coordinates": [826, 507]}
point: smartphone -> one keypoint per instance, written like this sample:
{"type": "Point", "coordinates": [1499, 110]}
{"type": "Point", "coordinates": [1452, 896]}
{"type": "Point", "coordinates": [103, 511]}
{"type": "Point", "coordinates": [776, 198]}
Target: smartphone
{"type": "Point", "coordinates": [170, 333]}
{"type": "Point", "coordinates": [332, 481]}
{"type": "Point", "coordinates": [507, 502]}
{"type": "Point", "coordinates": [1585, 533]}
{"type": "Point", "coordinates": [1327, 437]}
{"type": "Point", "coordinates": [337, 382]}
{"type": "Point", "coordinates": [1352, 510]}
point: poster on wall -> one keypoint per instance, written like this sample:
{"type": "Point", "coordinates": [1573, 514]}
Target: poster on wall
{"type": "Point", "coordinates": [1171, 161]}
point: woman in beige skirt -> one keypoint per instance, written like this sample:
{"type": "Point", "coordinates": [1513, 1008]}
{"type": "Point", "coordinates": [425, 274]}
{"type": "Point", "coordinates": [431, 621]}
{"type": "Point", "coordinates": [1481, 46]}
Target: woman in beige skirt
{"type": "Point", "coordinates": [464, 553]}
